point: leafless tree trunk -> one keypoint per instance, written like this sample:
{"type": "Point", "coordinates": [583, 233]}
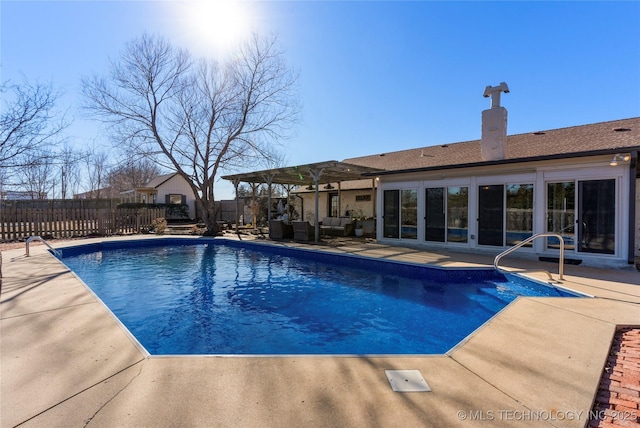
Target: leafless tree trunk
{"type": "Point", "coordinates": [197, 118]}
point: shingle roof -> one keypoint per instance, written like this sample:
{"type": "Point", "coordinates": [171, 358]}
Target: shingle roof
{"type": "Point", "coordinates": [597, 138]}
{"type": "Point", "coordinates": [156, 182]}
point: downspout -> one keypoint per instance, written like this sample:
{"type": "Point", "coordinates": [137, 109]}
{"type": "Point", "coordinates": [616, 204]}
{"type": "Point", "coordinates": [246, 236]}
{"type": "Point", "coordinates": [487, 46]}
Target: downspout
{"type": "Point", "coordinates": [631, 250]}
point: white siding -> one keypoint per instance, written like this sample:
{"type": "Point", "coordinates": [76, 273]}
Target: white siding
{"type": "Point", "coordinates": [177, 185]}
{"type": "Point", "coordinates": [538, 173]}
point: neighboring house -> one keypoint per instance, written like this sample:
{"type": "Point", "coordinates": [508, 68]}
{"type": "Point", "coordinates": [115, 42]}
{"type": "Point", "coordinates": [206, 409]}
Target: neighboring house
{"type": "Point", "coordinates": [17, 195]}
{"type": "Point", "coordinates": [164, 189]}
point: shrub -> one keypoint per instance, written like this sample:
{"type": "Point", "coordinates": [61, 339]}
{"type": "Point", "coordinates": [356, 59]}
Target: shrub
{"type": "Point", "coordinates": [159, 225]}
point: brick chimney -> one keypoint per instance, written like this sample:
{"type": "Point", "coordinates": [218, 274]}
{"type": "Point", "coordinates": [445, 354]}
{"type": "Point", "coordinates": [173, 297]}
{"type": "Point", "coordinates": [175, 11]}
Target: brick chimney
{"type": "Point", "coordinates": [494, 125]}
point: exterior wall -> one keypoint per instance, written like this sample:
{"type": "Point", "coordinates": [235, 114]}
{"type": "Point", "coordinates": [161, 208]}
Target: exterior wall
{"type": "Point", "coordinates": [350, 203]}
{"type": "Point", "coordinates": [177, 185]}
{"type": "Point", "coordinates": [358, 208]}
{"type": "Point", "coordinates": [539, 174]}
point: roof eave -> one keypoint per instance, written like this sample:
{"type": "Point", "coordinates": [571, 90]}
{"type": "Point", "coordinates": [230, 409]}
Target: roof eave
{"type": "Point", "coordinates": [505, 161]}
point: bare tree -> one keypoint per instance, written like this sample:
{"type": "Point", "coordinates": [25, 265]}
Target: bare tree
{"type": "Point", "coordinates": [39, 178]}
{"type": "Point", "coordinates": [97, 166]}
{"type": "Point", "coordinates": [198, 118]}
{"type": "Point", "coordinates": [28, 123]}
{"type": "Point", "coordinates": [69, 162]}
{"type": "Point", "coordinates": [132, 174]}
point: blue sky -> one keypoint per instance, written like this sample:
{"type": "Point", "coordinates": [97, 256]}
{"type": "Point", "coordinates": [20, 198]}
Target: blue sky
{"type": "Point", "coordinates": [374, 76]}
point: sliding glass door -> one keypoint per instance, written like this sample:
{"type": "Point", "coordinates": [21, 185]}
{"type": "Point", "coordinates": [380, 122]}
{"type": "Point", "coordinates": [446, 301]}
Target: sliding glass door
{"type": "Point", "coordinates": [457, 214]}
{"type": "Point", "coordinates": [505, 214]}
{"type": "Point", "coordinates": [589, 225]}
{"type": "Point", "coordinates": [391, 214]}
{"type": "Point", "coordinates": [597, 226]}
{"type": "Point", "coordinates": [561, 213]}
{"type": "Point", "coordinates": [519, 213]}
{"type": "Point", "coordinates": [400, 214]}
{"type": "Point", "coordinates": [446, 214]}
{"type": "Point", "coordinates": [491, 215]}
{"type": "Point", "coordinates": [409, 213]}
{"type": "Point", "coordinates": [435, 216]}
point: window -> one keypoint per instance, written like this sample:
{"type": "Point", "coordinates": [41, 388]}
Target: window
{"type": "Point", "coordinates": [334, 205]}
{"type": "Point", "coordinates": [176, 199]}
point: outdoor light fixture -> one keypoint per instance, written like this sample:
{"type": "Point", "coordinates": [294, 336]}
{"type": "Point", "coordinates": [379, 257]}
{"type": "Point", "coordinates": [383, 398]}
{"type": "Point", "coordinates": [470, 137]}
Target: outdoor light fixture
{"type": "Point", "coordinates": [310, 187]}
{"type": "Point", "coordinates": [328, 186]}
{"type": "Point", "coordinates": [619, 158]}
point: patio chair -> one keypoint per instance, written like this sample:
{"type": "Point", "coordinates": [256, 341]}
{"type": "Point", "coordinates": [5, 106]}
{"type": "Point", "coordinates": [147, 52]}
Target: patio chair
{"type": "Point", "coordinates": [278, 229]}
{"type": "Point", "coordinates": [303, 231]}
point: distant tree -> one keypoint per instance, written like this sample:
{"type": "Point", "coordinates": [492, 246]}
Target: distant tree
{"type": "Point", "coordinates": [39, 178]}
{"type": "Point", "coordinates": [198, 118]}
{"type": "Point", "coordinates": [132, 174]}
{"type": "Point", "coordinates": [96, 171]}
{"type": "Point", "coordinates": [69, 164]}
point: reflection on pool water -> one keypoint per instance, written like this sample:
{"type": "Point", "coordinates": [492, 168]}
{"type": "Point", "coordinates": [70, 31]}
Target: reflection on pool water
{"type": "Point", "coordinates": [224, 297]}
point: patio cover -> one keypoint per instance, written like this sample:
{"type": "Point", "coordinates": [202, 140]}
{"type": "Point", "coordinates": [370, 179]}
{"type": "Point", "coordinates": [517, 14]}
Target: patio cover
{"type": "Point", "coordinates": [313, 173]}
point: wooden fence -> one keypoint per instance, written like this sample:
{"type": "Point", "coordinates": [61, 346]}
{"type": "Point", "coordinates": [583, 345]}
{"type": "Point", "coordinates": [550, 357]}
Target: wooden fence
{"type": "Point", "coordinates": [69, 219]}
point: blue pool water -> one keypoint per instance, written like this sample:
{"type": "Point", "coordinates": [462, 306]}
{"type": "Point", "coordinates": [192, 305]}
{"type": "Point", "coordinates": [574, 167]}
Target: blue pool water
{"type": "Point", "coordinates": [224, 297]}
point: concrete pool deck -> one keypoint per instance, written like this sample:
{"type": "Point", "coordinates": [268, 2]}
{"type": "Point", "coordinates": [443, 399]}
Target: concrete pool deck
{"type": "Point", "coordinates": [65, 361]}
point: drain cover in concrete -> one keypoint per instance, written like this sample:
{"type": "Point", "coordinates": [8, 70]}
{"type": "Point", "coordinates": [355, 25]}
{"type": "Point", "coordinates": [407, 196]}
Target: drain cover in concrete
{"type": "Point", "coordinates": [407, 381]}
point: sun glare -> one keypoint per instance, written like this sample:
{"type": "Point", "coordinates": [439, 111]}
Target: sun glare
{"type": "Point", "coordinates": [217, 26]}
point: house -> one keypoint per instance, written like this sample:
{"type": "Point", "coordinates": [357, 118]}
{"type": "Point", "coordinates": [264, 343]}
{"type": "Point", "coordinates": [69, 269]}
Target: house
{"type": "Point", "coordinates": [18, 195]}
{"type": "Point", "coordinates": [579, 183]}
{"type": "Point", "coordinates": [164, 189]}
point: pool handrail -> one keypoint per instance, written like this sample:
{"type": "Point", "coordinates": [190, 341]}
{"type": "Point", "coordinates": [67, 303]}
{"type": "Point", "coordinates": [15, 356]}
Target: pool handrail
{"type": "Point", "coordinates": [38, 238]}
{"type": "Point", "coordinates": [532, 238]}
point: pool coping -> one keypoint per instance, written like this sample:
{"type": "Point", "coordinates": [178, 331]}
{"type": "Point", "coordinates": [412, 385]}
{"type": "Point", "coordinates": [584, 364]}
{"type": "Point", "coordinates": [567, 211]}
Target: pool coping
{"type": "Point", "coordinates": [65, 361]}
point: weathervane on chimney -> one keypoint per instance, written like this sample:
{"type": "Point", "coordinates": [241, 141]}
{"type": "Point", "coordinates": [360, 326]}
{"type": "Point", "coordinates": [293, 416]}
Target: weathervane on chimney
{"type": "Point", "coordinates": [494, 92]}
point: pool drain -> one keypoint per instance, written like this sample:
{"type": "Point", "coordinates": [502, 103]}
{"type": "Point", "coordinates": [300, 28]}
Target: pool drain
{"type": "Point", "coordinates": [407, 381]}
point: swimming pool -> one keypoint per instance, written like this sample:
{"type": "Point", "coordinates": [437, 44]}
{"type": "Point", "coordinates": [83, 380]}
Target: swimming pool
{"type": "Point", "coordinates": [223, 297]}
